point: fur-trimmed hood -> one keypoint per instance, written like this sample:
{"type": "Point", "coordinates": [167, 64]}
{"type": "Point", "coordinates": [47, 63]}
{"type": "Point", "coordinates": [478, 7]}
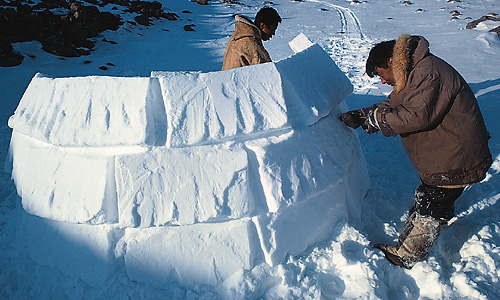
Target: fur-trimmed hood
{"type": "Point", "coordinates": [407, 52]}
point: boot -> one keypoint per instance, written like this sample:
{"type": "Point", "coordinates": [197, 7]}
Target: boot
{"type": "Point", "coordinates": [414, 243]}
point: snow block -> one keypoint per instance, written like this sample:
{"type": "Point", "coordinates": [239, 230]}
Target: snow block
{"type": "Point", "coordinates": [320, 185]}
{"type": "Point", "coordinates": [183, 186]}
{"type": "Point", "coordinates": [313, 85]}
{"type": "Point", "coordinates": [201, 254]}
{"type": "Point", "coordinates": [300, 43]}
{"type": "Point", "coordinates": [59, 184]}
{"type": "Point", "coordinates": [207, 107]}
{"type": "Point", "coordinates": [76, 250]}
{"type": "Point", "coordinates": [293, 229]}
{"type": "Point", "coordinates": [91, 111]}
{"type": "Point", "coordinates": [242, 102]}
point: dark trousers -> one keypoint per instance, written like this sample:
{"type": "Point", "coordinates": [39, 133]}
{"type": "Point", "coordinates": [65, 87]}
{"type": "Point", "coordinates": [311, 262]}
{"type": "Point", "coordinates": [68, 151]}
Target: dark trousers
{"type": "Point", "coordinates": [436, 201]}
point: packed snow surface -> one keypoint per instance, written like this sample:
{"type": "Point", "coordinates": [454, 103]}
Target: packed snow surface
{"type": "Point", "coordinates": [265, 173]}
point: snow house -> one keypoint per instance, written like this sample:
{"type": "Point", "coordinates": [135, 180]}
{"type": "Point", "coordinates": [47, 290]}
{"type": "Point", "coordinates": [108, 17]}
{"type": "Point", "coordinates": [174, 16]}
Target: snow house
{"type": "Point", "coordinates": [185, 177]}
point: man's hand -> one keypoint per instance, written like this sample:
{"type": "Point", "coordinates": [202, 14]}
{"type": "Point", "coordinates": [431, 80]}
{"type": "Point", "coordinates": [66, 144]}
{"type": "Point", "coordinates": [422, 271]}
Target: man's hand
{"type": "Point", "coordinates": [353, 118]}
{"type": "Point", "coordinates": [364, 117]}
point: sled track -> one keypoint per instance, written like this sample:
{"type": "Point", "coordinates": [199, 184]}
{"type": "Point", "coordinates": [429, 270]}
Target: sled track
{"type": "Point", "coordinates": [349, 22]}
{"type": "Point", "coordinates": [349, 47]}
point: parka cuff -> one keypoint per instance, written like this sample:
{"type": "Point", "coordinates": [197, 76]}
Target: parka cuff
{"type": "Point", "coordinates": [382, 122]}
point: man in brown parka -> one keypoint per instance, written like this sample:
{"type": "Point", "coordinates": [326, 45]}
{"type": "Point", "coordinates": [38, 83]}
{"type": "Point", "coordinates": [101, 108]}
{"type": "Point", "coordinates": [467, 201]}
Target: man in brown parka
{"type": "Point", "coordinates": [245, 47]}
{"type": "Point", "coordinates": [438, 118]}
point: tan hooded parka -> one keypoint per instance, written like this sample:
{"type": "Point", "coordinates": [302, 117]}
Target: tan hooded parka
{"type": "Point", "coordinates": [245, 46]}
{"type": "Point", "coordinates": [437, 116]}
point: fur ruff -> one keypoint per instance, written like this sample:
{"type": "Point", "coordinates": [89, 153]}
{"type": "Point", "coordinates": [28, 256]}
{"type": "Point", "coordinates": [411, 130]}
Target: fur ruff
{"type": "Point", "coordinates": [401, 62]}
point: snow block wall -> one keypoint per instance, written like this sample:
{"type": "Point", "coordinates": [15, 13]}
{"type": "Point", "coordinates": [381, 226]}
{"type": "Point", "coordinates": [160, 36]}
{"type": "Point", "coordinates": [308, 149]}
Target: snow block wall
{"type": "Point", "coordinates": [185, 176]}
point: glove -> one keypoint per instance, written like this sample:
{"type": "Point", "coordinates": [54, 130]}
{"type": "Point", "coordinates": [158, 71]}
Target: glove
{"type": "Point", "coordinates": [353, 118]}
{"type": "Point", "coordinates": [364, 117]}
{"type": "Point", "coordinates": [370, 124]}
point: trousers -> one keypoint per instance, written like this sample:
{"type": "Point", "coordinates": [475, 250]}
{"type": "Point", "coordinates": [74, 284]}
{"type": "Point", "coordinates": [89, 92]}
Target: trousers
{"type": "Point", "coordinates": [437, 202]}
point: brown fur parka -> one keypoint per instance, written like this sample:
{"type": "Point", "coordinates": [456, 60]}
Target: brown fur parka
{"type": "Point", "coordinates": [437, 116]}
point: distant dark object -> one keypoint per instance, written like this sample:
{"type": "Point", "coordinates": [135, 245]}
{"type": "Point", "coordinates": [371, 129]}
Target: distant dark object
{"type": "Point", "coordinates": [143, 20]}
{"type": "Point", "coordinates": [202, 2]}
{"type": "Point", "coordinates": [488, 17]}
{"type": "Point", "coordinates": [324, 9]}
{"type": "Point", "coordinates": [87, 62]}
{"type": "Point", "coordinates": [104, 68]}
{"type": "Point", "coordinates": [108, 41]}
{"type": "Point", "coordinates": [237, 2]}
{"type": "Point", "coordinates": [11, 60]}
{"type": "Point", "coordinates": [150, 10]}
{"type": "Point", "coordinates": [407, 2]}
{"type": "Point", "coordinates": [110, 64]}
{"type": "Point", "coordinates": [189, 27]}
{"type": "Point", "coordinates": [497, 30]}
{"type": "Point", "coordinates": [186, 12]}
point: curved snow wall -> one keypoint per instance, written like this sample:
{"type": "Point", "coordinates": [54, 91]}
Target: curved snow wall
{"type": "Point", "coordinates": [185, 176]}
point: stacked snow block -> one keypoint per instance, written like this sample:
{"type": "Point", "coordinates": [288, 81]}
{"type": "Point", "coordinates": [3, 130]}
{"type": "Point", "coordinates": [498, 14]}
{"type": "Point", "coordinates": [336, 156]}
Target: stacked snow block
{"type": "Point", "coordinates": [185, 176]}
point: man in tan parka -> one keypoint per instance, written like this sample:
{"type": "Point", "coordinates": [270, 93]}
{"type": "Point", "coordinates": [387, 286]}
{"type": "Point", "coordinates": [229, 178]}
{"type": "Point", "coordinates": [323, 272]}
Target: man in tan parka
{"type": "Point", "coordinates": [438, 118]}
{"type": "Point", "coordinates": [245, 47]}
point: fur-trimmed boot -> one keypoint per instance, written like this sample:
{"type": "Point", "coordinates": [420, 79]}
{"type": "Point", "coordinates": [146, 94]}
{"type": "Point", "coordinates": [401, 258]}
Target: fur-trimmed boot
{"type": "Point", "coordinates": [414, 243]}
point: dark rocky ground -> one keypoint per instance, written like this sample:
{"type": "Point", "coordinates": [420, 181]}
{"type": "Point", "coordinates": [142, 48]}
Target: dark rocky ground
{"type": "Point", "coordinates": [489, 17]}
{"type": "Point", "coordinates": [67, 27]}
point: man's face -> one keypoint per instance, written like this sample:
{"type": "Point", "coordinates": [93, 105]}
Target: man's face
{"type": "Point", "coordinates": [268, 31]}
{"type": "Point", "coordinates": [386, 75]}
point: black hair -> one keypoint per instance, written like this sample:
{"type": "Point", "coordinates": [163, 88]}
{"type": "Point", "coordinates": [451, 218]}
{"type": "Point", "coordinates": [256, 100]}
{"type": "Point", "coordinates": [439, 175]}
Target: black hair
{"type": "Point", "coordinates": [379, 56]}
{"type": "Point", "coordinates": [268, 16]}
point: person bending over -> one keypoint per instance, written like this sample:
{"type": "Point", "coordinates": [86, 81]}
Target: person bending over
{"type": "Point", "coordinates": [437, 116]}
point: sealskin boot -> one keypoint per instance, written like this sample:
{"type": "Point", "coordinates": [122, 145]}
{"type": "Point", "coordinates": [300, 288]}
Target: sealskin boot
{"type": "Point", "coordinates": [414, 243]}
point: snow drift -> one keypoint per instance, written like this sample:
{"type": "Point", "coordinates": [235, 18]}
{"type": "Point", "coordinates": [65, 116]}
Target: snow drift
{"type": "Point", "coordinates": [185, 176]}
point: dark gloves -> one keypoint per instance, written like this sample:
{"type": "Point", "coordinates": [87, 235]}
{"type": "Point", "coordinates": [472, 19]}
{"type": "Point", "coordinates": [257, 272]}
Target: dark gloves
{"type": "Point", "coordinates": [353, 118]}
{"type": "Point", "coordinates": [364, 117]}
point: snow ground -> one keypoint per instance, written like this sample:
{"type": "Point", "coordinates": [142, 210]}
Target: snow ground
{"type": "Point", "coordinates": [465, 262]}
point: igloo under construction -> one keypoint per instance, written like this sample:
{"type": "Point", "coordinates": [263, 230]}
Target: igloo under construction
{"type": "Point", "coordinates": [185, 177]}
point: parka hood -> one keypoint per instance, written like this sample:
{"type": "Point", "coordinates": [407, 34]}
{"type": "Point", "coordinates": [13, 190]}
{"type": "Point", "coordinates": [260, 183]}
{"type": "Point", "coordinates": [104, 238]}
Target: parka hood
{"type": "Point", "coordinates": [244, 27]}
{"type": "Point", "coordinates": [407, 52]}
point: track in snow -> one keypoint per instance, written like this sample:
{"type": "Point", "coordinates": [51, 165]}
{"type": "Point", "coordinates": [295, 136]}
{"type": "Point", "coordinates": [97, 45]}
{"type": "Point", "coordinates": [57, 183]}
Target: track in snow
{"type": "Point", "coordinates": [349, 22]}
{"type": "Point", "coordinates": [349, 47]}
